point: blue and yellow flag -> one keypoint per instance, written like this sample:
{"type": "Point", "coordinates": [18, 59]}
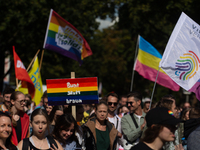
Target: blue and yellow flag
{"type": "Point", "coordinates": [37, 81]}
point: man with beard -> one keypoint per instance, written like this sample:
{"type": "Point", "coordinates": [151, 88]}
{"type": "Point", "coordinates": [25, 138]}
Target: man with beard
{"type": "Point", "coordinates": [133, 123]}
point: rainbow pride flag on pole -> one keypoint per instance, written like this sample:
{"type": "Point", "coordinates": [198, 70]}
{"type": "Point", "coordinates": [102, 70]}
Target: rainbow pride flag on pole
{"type": "Point", "coordinates": [64, 38]}
{"type": "Point", "coordinates": [147, 65]}
{"type": "Point", "coordinates": [72, 91]}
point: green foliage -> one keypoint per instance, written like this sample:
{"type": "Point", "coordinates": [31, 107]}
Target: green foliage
{"type": "Point", "coordinates": [23, 24]}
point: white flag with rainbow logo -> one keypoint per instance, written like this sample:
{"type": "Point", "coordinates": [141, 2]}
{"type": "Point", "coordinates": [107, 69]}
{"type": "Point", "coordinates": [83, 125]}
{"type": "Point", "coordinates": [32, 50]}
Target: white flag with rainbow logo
{"type": "Point", "coordinates": [181, 58]}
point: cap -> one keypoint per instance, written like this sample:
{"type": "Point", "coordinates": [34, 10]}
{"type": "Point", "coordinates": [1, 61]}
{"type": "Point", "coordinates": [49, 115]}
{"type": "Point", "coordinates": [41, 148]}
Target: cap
{"type": "Point", "coordinates": [146, 100]}
{"type": "Point", "coordinates": [161, 115]}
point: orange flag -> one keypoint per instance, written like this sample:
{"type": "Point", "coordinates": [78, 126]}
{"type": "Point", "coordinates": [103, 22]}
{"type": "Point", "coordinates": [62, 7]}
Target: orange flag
{"type": "Point", "coordinates": [22, 74]}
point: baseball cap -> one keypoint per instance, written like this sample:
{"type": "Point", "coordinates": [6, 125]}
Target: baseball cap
{"type": "Point", "coordinates": [146, 99]}
{"type": "Point", "coordinates": [162, 116]}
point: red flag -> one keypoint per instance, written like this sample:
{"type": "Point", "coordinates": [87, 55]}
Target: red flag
{"type": "Point", "coordinates": [22, 74]}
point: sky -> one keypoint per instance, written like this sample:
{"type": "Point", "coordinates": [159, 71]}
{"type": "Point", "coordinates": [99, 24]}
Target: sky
{"type": "Point", "coordinates": [106, 23]}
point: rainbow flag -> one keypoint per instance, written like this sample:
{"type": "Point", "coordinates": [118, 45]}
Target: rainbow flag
{"type": "Point", "coordinates": [64, 38]}
{"type": "Point", "coordinates": [147, 65]}
{"type": "Point", "coordinates": [72, 91]}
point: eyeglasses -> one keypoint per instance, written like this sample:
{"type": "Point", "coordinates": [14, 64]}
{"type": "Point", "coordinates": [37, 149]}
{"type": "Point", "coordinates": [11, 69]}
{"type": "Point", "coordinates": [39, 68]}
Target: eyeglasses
{"type": "Point", "coordinates": [110, 104]}
{"type": "Point", "coordinates": [129, 103]}
{"type": "Point", "coordinates": [22, 101]}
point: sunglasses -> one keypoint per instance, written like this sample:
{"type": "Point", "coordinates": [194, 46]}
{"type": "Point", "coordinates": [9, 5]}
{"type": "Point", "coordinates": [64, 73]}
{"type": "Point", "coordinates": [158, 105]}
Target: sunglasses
{"type": "Point", "coordinates": [129, 103]}
{"type": "Point", "coordinates": [110, 104]}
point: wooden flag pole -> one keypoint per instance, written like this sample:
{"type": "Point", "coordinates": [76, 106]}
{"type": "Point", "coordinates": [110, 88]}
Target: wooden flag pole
{"type": "Point", "coordinates": [41, 59]}
{"type": "Point", "coordinates": [17, 88]}
{"type": "Point", "coordinates": [29, 65]}
{"type": "Point", "coordinates": [32, 60]}
{"type": "Point", "coordinates": [74, 106]}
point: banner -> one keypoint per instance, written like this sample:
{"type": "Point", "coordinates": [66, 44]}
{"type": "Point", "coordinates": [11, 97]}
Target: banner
{"type": "Point", "coordinates": [22, 74]}
{"type": "Point", "coordinates": [72, 91]}
{"type": "Point", "coordinates": [37, 81]}
{"type": "Point", "coordinates": [64, 38]}
{"type": "Point", "coordinates": [147, 65]}
{"type": "Point", "coordinates": [181, 56]}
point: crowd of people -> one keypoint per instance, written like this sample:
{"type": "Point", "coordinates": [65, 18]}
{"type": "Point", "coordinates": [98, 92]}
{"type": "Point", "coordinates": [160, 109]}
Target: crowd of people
{"type": "Point", "coordinates": [115, 123]}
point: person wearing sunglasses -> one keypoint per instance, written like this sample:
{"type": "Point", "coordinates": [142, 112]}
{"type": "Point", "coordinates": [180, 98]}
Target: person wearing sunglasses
{"type": "Point", "coordinates": [112, 101]}
{"type": "Point", "coordinates": [133, 123]}
{"type": "Point", "coordinates": [5, 106]}
{"type": "Point", "coordinates": [20, 120]}
{"type": "Point", "coordinates": [161, 126]}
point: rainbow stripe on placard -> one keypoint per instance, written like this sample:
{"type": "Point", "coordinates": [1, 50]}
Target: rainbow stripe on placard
{"type": "Point", "coordinates": [62, 37]}
{"type": "Point", "coordinates": [72, 91]}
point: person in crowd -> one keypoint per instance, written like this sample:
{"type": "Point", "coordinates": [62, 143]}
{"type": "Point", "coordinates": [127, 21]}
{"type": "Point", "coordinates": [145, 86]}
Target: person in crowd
{"type": "Point", "coordinates": [79, 118]}
{"type": "Point", "coordinates": [192, 129]}
{"type": "Point", "coordinates": [112, 101]}
{"type": "Point", "coordinates": [6, 132]}
{"type": "Point", "coordinates": [64, 132]}
{"type": "Point", "coordinates": [98, 132]}
{"type": "Point", "coordinates": [44, 101]}
{"type": "Point", "coordinates": [161, 125]}
{"type": "Point", "coordinates": [119, 112]}
{"type": "Point", "coordinates": [28, 102]}
{"type": "Point", "coordinates": [133, 124]}
{"type": "Point", "coordinates": [6, 99]}
{"type": "Point", "coordinates": [125, 109]}
{"type": "Point", "coordinates": [56, 112]}
{"type": "Point", "coordinates": [1, 100]}
{"type": "Point", "coordinates": [49, 109]}
{"type": "Point", "coordinates": [185, 114]}
{"type": "Point", "coordinates": [38, 140]}
{"type": "Point", "coordinates": [186, 105]}
{"type": "Point", "coordinates": [169, 102]}
{"type": "Point", "coordinates": [146, 103]}
{"type": "Point", "coordinates": [20, 120]}
{"type": "Point", "coordinates": [122, 102]}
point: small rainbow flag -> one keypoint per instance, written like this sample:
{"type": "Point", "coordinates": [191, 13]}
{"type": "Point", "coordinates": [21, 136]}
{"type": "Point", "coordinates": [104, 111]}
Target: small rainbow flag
{"type": "Point", "coordinates": [64, 38]}
{"type": "Point", "coordinates": [72, 91]}
{"type": "Point", "coordinates": [170, 112]}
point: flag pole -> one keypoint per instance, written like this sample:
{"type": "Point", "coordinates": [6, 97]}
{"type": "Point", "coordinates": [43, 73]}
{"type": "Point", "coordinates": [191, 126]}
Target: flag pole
{"type": "Point", "coordinates": [41, 59]}
{"type": "Point", "coordinates": [154, 88]}
{"type": "Point", "coordinates": [17, 84]}
{"type": "Point", "coordinates": [136, 50]}
{"type": "Point", "coordinates": [73, 107]}
{"type": "Point", "coordinates": [29, 65]}
{"type": "Point", "coordinates": [32, 60]}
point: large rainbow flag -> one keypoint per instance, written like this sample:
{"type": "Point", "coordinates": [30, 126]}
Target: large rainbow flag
{"type": "Point", "coordinates": [64, 38]}
{"type": "Point", "coordinates": [147, 65]}
{"type": "Point", "coordinates": [72, 91]}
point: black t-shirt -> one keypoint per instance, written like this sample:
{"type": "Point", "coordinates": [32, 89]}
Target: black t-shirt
{"type": "Point", "coordinates": [18, 129]}
{"type": "Point", "coordinates": [141, 146]}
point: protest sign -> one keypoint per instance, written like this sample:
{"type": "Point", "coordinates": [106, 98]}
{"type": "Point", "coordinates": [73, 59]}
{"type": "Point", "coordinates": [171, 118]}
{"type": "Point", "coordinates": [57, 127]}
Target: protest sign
{"type": "Point", "coordinates": [72, 91]}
